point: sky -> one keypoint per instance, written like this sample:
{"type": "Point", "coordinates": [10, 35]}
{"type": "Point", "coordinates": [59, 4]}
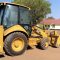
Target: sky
{"type": "Point", "coordinates": [55, 7]}
{"type": "Point", "coordinates": [5, 0]}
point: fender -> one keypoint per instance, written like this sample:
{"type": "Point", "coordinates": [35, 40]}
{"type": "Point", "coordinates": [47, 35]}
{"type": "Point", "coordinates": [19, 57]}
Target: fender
{"type": "Point", "coordinates": [15, 28]}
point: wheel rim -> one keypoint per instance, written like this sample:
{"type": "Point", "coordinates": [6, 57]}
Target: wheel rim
{"type": "Point", "coordinates": [46, 44]}
{"type": "Point", "coordinates": [17, 44]}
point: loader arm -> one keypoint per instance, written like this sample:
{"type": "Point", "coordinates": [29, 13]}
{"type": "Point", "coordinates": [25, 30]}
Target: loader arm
{"type": "Point", "coordinates": [39, 31]}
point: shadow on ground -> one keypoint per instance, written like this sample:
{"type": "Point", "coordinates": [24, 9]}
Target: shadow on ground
{"type": "Point", "coordinates": [29, 48]}
{"type": "Point", "coordinates": [2, 56]}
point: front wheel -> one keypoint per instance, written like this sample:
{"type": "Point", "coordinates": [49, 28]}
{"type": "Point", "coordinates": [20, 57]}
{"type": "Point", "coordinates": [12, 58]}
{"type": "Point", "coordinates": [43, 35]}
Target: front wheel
{"type": "Point", "coordinates": [44, 43]}
{"type": "Point", "coordinates": [15, 43]}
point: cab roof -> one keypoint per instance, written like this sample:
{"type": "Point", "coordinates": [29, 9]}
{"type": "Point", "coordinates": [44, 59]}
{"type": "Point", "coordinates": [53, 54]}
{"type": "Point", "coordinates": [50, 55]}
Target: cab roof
{"type": "Point", "coordinates": [4, 3]}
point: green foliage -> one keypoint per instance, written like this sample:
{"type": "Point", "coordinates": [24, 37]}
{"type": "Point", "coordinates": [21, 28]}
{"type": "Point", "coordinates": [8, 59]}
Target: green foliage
{"type": "Point", "coordinates": [39, 8]}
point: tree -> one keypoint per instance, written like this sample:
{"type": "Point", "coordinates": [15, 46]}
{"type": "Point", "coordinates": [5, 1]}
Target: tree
{"type": "Point", "coordinates": [39, 8]}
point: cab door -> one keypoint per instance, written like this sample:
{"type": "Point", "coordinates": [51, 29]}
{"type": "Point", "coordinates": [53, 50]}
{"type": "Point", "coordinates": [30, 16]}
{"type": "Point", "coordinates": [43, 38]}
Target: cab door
{"type": "Point", "coordinates": [25, 19]}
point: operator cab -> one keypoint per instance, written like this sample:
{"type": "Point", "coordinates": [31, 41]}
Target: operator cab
{"type": "Point", "coordinates": [12, 14]}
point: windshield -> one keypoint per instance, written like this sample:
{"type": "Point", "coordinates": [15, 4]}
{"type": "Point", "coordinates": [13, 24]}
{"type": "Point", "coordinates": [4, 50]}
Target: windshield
{"type": "Point", "coordinates": [10, 16]}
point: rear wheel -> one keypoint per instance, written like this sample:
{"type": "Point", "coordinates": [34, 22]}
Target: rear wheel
{"type": "Point", "coordinates": [44, 43]}
{"type": "Point", "coordinates": [15, 43]}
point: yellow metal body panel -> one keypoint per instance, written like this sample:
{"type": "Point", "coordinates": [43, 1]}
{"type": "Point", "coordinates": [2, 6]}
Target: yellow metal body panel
{"type": "Point", "coordinates": [14, 28]}
{"type": "Point", "coordinates": [58, 40]}
{"type": "Point", "coordinates": [1, 39]}
{"type": "Point", "coordinates": [36, 37]}
{"type": "Point", "coordinates": [33, 41]}
{"type": "Point", "coordinates": [34, 34]}
{"type": "Point", "coordinates": [41, 31]}
{"type": "Point", "coordinates": [56, 33]}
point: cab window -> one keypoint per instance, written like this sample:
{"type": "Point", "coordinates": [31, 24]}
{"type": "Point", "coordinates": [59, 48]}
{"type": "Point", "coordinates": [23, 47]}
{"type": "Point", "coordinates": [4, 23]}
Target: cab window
{"type": "Point", "coordinates": [10, 16]}
{"type": "Point", "coordinates": [24, 16]}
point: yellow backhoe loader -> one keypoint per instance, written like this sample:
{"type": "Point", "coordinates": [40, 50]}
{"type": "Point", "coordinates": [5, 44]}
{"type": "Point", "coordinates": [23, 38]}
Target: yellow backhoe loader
{"type": "Point", "coordinates": [16, 31]}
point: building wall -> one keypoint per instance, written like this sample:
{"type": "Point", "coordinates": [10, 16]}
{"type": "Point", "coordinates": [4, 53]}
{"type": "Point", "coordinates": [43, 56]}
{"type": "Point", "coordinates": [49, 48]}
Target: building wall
{"type": "Point", "coordinates": [54, 27]}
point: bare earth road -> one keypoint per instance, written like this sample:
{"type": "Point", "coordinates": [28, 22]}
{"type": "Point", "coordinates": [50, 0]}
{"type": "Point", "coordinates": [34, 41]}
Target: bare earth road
{"type": "Point", "coordinates": [36, 54]}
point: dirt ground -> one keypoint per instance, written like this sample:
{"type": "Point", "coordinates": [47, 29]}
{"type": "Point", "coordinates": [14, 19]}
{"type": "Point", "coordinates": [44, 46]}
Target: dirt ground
{"type": "Point", "coordinates": [36, 54]}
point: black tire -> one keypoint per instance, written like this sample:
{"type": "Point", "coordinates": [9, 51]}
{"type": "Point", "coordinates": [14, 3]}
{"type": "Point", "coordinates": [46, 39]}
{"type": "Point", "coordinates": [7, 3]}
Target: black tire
{"type": "Point", "coordinates": [8, 41]}
{"type": "Point", "coordinates": [42, 43]}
